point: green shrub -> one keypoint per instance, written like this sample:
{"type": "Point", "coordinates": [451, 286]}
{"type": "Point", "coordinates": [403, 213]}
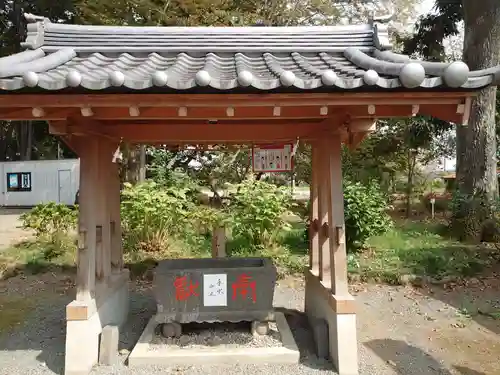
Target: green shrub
{"type": "Point", "coordinates": [152, 215]}
{"type": "Point", "coordinates": [256, 212]}
{"type": "Point", "coordinates": [365, 213]}
{"type": "Point", "coordinates": [49, 219]}
{"type": "Point", "coordinates": [52, 223]}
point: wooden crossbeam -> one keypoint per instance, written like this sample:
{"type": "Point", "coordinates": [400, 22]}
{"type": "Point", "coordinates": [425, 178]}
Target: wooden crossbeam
{"type": "Point", "coordinates": [233, 100]}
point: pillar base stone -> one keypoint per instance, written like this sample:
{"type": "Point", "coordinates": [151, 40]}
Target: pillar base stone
{"type": "Point", "coordinates": [342, 335]}
{"type": "Point", "coordinates": [85, 322]}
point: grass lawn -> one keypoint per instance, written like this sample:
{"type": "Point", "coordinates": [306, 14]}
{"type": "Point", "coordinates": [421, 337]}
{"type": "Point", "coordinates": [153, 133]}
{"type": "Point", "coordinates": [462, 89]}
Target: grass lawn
{"type": "Point", "coordinates": [410, 250]}
{"type": "Point", "coordinates": [420, 249]}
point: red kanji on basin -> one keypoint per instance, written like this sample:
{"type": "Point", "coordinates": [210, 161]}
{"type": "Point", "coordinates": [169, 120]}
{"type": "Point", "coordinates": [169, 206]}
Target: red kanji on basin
{"type": "Point", "coordinates": [183, 290]}
{"type": "Point", "coordinates": [242, 286]}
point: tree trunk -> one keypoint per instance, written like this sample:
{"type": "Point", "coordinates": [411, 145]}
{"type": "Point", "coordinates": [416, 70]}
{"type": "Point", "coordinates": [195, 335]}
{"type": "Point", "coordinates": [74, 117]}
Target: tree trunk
{"type": "Point", "coordinates": [476, 143]}
{"type": "Point", "coordinates": [6, 140]}
{"type": "Point", "coordinates": [133, 164]}
{"type": "Point", "coordinates": [24, 135]}
{"type": "Point", "coordinates": [409, 182]}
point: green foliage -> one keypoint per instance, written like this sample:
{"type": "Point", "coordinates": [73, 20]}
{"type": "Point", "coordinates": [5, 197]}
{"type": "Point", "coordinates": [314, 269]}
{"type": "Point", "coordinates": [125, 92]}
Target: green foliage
{"type": "Point", "coordinates": [49, 219]}
{"type": "Point", "coordinates": [52, 224]}
{"type": "Point", "coordinates": [433, 28]}
{"type": "Point", "coordinates": [152, 214]}
{"type": "Point", "coordinates": [288, 250]}
{"type": "Point", "coordinates": [419, 249]}
{"type": "Point", "coordinates": [365, 213]}
{"type": "Point", "coordinates": [257, 210]}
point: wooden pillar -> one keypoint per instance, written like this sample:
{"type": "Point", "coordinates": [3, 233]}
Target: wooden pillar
{"type": "Point", "coordinates": [314, 213]}
{"type": "Point", "coordinates": [323, 212]}
{"type": "Point", "coordinates": [328, 304]}
{"type": "Point", "coordinates": [102, 297]}
{"type": "Point", "coordinates": [219, 242]}
{"type": "Point", "coordinates": [114, 188]}
{"type": "Point", "coordinates": [103, 228]}
{"type": "Point", "coordinates": [86, 257]}
{"type": "Point", "coordinates": [338, 255]}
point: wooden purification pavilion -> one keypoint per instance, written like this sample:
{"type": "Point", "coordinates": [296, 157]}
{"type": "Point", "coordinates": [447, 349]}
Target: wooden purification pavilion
{"type": "Point", "coordinates": [98, 86]}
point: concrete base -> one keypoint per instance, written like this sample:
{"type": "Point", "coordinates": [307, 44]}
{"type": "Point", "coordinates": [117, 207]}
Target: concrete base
{"type": "Point", "coordinates": [85, 321]}
{"type": "Point", "coordinates": [143, 354]}
{"type": "Point", "coordinates": [108, 348]}
{"type": "Point", "coordinates": [342, 337]}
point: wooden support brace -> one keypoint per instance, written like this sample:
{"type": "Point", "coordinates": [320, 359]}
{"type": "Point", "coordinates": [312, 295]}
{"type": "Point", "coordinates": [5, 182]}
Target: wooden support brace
{"type": "Point", "coordinates": [325, 230]}
{"type": "Point", "coordinates": [324, 212]}
{"type": "Point", "coordinates": [337, 249]}
{"type": "Point", "coordinates": [115, 219]}
{"type": "Point", "coordinates": [86, 258]}
{"type": "Point", "coordinates": [314, 213]}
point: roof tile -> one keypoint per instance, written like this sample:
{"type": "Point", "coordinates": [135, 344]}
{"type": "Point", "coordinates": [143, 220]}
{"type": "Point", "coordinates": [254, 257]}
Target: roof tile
{"type": "Point", "coordinates": [223, 58]}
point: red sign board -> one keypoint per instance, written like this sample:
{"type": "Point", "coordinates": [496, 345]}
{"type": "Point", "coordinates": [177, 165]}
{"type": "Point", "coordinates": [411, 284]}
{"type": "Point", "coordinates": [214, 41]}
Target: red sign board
{"type": "Point", "coordinates": [272, 158]}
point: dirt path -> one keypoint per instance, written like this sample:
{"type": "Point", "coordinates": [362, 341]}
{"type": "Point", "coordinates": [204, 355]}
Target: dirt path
{"type": "Point", "coordinates": [9, 231]}
{"type": "Point", "coordinates": [431, 331]}
{"type": "Point", "coordinates": [401, 330]}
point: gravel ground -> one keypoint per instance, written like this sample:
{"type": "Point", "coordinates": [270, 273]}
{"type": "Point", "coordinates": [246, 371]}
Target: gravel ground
{"type": "Point", "coordinates": [401, 331]}
{"type": "Point", "coordinates": [219, 334]}
{"type": "Point", "coordinates": [9, 231]}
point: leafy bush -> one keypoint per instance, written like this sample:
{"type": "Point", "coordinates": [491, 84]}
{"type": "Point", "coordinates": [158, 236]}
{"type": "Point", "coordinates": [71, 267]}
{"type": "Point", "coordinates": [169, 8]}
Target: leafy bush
{"type": "Point", "coordinates": [52, 223]}
{"type": "Point", "coordinates": [49, 219]}
{"type": "Point", "coordinates": [365, 213]}
{"type": "Point", "coordinates": [257, 210]}
{"type": "Point", "coordinates": [152, 215]}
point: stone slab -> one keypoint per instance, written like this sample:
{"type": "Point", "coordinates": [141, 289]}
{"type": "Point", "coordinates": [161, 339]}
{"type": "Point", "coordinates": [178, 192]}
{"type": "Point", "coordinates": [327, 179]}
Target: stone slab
{"type": "Point", "coordinates": [142, 354]}
{"type": "Point", "coordinates": [108, 353]}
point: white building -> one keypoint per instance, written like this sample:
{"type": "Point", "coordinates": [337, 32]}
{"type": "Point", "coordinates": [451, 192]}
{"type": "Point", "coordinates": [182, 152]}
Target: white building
{"type": "Point", "coordinates": [28, 183]}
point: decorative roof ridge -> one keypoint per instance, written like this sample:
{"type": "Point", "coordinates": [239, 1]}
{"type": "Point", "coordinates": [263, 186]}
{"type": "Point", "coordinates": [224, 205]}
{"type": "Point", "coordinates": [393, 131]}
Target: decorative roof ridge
{"type": "Point", "coordinates": [411, 73]}
{"type": "Point", "coordinates": [32, 18]}
{"type": "Point", "coordinates": [87, 38]}
{"type": "Point", "coordinates": [250, 29]}
{"type": "Point", "coordinates": [36, 31]}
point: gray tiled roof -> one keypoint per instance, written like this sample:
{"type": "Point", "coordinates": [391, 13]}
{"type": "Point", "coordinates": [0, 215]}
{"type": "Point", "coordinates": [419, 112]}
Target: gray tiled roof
{"type": "Point", "coordinates": [59, 56]}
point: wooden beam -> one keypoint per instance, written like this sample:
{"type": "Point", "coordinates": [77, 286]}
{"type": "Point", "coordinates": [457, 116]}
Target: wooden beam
{"type": "Point", "coordinates": [386, 110]}
{"type": "Point", "coordinates": [58, 127]}
{"type": "Point", "coordinates": [72, 142]}
{"type": "Point", "coordinates": [213, 133]}
{"type": "Point", "coordinates": [356, 139]}
{"type": "Point", "coordinates": [362, 125]}
{"type": "Point", "coordinates": [204, 113]}
{"type": "Point", "coordinates": [464, 110]}
{"type": "Point", "coordinates": [445, 112]}
{"type": "Point", "coordinates": [224, 100]}
{"type": "Point", "coordinates": [35, 113]}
